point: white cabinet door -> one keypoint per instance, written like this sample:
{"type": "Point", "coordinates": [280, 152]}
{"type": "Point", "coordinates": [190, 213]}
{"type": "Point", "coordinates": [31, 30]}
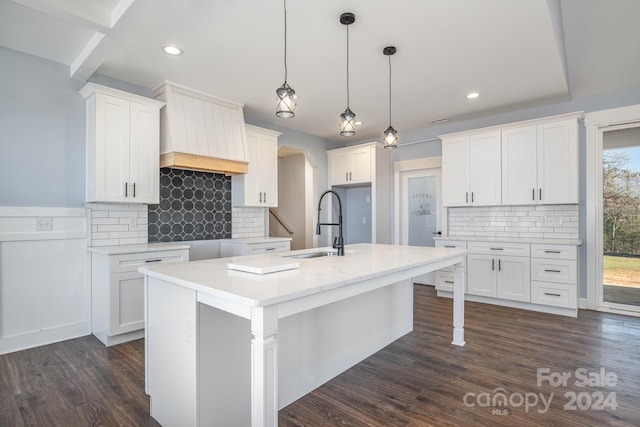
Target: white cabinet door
{"type": "Point", "coordinates": [519, 166]}
{"type": "Point", "coordinates": [513, 278]}
{"type": "Point", "coordinates": [455, 172]}
{"type": "Point", "coordinates": [360, 166]}
{"type": "Point", "coordinates": [485, 169]}
{"type": "Point", "coordinates": [269, 170]}
{"type": "Point", "coordinates": [258, 187]}
{"type": "Point", "coordinates": [127, 302]}
{"type": "Point", "coordinates": [481, 275]}
{"type": "Point", "coordinates": [144, 154]}
{"type": "Point", "coordinates": [558, 162]}
{"type": "Point", "coordinates": [111, 133]}
{"type": "Point", "coordinates": [352, 166]}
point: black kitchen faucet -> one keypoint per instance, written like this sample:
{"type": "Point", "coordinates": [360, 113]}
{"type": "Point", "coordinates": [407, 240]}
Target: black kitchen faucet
{"type": "Point", "coordinates": [338, 242]}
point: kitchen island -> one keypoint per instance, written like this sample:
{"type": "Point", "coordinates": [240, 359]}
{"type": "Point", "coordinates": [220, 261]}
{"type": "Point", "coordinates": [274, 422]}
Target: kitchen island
{"type": "Point", "coordinates": [226, 347]}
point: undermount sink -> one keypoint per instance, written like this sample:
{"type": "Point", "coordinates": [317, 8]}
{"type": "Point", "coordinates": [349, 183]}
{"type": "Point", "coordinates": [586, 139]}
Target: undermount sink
{"type": "Point", "coordinates": [312, 255]}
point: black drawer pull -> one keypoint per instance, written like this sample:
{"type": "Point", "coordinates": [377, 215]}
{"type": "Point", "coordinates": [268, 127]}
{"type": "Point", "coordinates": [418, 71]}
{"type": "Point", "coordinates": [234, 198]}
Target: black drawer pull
{"type": "Point", "coordinates": [448, 281]}
{"type": "Point", "coordinates": [551, 252]}
{"type": "Point", "coordinates": [552, 295]}
{"type": "Point", "coordinates": [270, 249]}
{"type": "Point", "coordinates": [449, 246]}
{"type": "Point", "coordinates": [497, 249]}
{"type": "Point", "coordinates": [152, 260]}
{"type": "Point", "coordinates": [553, 271]}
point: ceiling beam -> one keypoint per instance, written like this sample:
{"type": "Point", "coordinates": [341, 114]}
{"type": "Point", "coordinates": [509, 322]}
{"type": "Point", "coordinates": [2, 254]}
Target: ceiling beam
{"type": "Point", "coordinates": [79, 13]}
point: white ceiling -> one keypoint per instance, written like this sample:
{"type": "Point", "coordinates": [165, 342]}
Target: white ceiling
{"type": "Point", "coordinates": [514, 53]}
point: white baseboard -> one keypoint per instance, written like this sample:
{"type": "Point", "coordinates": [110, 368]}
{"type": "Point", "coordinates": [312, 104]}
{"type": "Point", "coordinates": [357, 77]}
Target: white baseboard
{"type": "Point", "coordinates": [44, 337]}
{"type": "Point", "coordinates": [582, 303]}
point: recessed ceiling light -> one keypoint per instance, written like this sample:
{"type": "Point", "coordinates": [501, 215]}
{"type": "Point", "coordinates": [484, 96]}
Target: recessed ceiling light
{"type": "Point", "coordinates": [358, 123]}
{"type": "Point", "coordinates": [172, 50]}
{"type": "Point", "coordinates": [473, 95]}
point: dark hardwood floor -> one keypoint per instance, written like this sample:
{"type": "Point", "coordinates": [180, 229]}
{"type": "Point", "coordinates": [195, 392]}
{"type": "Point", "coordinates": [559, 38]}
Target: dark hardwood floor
{"type": "Point", "coordinates": [419, 380]}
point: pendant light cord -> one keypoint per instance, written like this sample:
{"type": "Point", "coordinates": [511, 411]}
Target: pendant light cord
{"type": "Point", "coordinates": [389, 90]}
{"type": "Point", "coordinates": [347, 66]}
{"type": "Point", "coordinates": [285, 41]}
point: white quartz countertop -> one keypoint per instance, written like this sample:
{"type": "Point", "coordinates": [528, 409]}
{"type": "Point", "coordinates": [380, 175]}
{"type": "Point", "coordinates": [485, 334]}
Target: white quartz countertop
{"type": "Point", "coordinates": [143, 247]}
{"type": "Point", "coordinates": [576, 242]}
{"type": "Point", "coordinates": [315, 275]}
{"type": "Point", "coordinates": [256, 240]}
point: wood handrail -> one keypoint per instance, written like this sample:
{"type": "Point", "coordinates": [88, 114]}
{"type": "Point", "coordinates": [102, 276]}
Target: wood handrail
{"type": "Point", "coordinates": [280, 220]}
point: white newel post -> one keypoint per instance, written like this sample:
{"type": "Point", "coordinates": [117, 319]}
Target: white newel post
{"type": "Point", "coordinates": [264, 366]}
{"type": "Point", "coordinates": [458, 305]}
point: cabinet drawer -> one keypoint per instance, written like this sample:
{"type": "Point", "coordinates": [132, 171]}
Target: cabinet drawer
{"type": "Point", "coordinates": [458, 244]}
{"type": "Point", "coordinates": [269, 247]}
{"type": "Point", "coordinates": [444, 280]}
{"type": "Point", "coordinates": [554, 251]}
{"type": "Point", "coordinates": [552, 270]}
{"type": "Point", "coordinates": [493, 248]}
{"type": "Point", "coordinates": [131, 262]}
{"type": "Point", "coordinates": [556, 294]}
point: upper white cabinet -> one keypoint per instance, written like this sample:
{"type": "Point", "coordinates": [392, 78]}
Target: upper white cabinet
{"type": "Point", "coordinates": [350, 166]}
{"type": "Point", "coordinates": [540, 164]}
{"type": "Point", "coordinates": [527, 163]}
{"type": "Point", "coordinates": [259, 186]}
{"type": "Point", "coordinates": [123, 137]}
{"type": "Point", "coordinates": [471, 170]}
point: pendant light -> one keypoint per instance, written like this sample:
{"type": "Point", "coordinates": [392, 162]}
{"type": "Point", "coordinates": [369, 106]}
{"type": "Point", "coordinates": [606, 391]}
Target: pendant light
{"type": "Point", "coordinates": [286, 96]}
{"type": "Point", "coordinates": [348, 118]}
{"type": "Point", "coordinates": [390, 135]}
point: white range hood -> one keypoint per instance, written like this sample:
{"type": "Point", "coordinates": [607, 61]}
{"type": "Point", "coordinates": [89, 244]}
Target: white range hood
{"type": "Point", "coordinates": [201, 132]}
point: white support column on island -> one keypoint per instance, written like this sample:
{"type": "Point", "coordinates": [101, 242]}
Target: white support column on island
{"type": "Point", "coordinates": [264, 366]}
{"type": "Point", "coordinates": [458, 305]}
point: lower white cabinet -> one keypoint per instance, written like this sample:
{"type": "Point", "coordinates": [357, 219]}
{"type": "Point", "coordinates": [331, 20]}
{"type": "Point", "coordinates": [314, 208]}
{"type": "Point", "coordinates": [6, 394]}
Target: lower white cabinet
{"type": "Point", "coordinates": [117, 292]}
{"type": "Point", "coordinates": [505, 277]}
{"type": "Point", "coordinates": [444, 277]}
{"type": "Point", "coordinates": [254, 245]}
{"type": "Point", "coordinates": [541, 277]}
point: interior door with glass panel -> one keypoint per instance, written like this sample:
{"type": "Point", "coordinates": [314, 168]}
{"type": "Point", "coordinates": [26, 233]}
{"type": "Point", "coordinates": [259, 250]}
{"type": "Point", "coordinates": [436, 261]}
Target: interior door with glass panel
{"type": "Point", "coordinates": [419, 211]}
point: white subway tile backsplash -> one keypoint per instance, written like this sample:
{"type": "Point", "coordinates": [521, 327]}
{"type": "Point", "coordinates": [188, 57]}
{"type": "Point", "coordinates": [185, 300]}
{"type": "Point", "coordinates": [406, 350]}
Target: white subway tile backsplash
{"type": "Point", "coordinates": [553, 221]}
{"type": "Point", "coordinates": [117, 224]}
{"type": "Point", "coordinates": [247, 222]}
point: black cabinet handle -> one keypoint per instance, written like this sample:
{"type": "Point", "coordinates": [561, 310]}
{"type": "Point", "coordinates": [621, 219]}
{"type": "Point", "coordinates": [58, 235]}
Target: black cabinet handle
{"type": "Point", "coordinates": [350, 179]}
{"type": "Point", "coordinates": [499, 265]}
{"type": "Point", "coordinates": [553, 271]}
{"type": "Point", "coordinates": [466, 197]}
{"type": "Point", "coordinates": [270, 249]}
{"type": "Point", "coordinates": [540, 195]}
{"type": "Point", "coordinates": [437, 233]}
{"type": "Point", "coordinates": [533, 194]}
{"type": "Point", "coordinates": [551, 252]}
{"type": "Point", "coordinates": [497, 249]}
{"type": "Point", "coordinates": [152, 260]}
{"type": "Point", "coordinates": [493, 264]}
{"type": "Point", "coordinates": [449, 246]}
{"type": "Point", "coordinates": [448, 281]}
{"type": "Point", "coordinates": [134, 189]}
{"type": "Point", "coordinates": [126, 189]}
{"type": "Point", "coordinates": [472, 197]}
{"type": "Point", "coordinates": [552, 295]}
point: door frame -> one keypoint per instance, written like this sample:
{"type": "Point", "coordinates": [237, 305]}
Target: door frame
{"type": "Point", "coordinates": [596, 124]}
{"type": "Point", "coordinates": [409, 166]}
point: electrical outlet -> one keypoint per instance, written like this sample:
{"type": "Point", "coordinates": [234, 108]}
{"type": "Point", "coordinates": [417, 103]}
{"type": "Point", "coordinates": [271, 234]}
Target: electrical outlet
{"type": "Point", "coordinates": [44, 223]}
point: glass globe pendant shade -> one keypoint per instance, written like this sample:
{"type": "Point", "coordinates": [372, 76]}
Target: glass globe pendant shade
{"type": "Point", "coordinates": [390, 138]}
{"type": "Point", "coordinates": [348, 123]}
{"type": "Point", "coordinates": [286, 102]}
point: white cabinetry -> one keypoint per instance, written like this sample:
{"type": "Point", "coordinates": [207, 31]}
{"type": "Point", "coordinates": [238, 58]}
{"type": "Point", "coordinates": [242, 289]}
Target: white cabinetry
{"type": "Point", "coordinates": [499, 270]}
{"type": "Point", "coordinates": [540, 164]}
{"type": "Point", "coordinates": [117, 291]}
{"type": "Point", "coordinates": [258, 187]}
{"type": "Point", "coordinates": [254, 245]}
{"type": "Point", "coordinates": [123, 137]}
{"type": "Point", "coordinates": [444, 277]}
{"type": "Point", "coordinates": [471, 170]}
{"type": "Point", "coordinates": [350, 166]}
{"type": "Point", "coordinates": [554, 275]}
{"type": "Point", "coordinates": [352, 170]}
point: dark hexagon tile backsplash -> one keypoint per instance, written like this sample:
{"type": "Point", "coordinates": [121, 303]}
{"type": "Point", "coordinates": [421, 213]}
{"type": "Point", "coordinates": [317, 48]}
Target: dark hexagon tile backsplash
{"type": "Point", "coordinates": [193, 206]}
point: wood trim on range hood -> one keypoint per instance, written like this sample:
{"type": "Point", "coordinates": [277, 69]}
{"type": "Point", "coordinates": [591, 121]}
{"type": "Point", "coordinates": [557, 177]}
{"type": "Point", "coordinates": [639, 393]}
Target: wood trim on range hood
{"type": "Point", "coordinates": [202, 163]}
{"type": "Point", "coordinates": [201, 132]}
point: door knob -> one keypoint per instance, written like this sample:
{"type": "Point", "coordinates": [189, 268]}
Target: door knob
{"type": "Point", "coordinates": [437, 233]}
